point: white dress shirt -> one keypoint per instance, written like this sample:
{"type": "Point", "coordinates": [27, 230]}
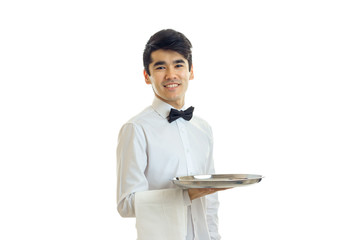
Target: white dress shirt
{"type": "Point", "coordinates": [151, 151]}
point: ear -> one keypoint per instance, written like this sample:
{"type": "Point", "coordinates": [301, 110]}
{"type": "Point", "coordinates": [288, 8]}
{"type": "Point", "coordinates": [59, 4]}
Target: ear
{"type": "Point", "coordinates": [191, 73]}
{"type": "Point", "coordinates": [147, 77]}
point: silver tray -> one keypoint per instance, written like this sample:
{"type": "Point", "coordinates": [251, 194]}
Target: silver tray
{"type": "Point", "coordinates": [217, 180]}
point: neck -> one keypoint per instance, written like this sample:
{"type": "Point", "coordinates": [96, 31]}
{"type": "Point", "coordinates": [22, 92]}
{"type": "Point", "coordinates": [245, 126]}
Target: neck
{"type": "Point", "coordinates": [178, 104]}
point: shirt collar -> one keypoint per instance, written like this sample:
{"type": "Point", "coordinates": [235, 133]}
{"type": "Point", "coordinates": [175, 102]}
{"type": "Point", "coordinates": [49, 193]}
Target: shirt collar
{"type": "Point", "coordinates": [162, 107]}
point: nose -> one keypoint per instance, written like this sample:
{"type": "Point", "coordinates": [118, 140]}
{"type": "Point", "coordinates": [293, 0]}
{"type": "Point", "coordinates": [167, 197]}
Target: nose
{"type": "Point", "coordinates": [170, 74]}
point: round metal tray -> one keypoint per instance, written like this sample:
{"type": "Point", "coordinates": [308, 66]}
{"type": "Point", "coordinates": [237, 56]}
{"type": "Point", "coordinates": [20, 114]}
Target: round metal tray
{"type": "Point", "coordinates": [217, 180]}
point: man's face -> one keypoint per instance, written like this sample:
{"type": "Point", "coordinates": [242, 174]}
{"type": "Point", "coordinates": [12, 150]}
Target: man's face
{"type": "Point", "coordinates": [169, 76]}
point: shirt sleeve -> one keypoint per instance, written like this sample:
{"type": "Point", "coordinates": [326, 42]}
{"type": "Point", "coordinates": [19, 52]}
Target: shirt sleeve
{"type": "Point", "coordinates": [131, 165]}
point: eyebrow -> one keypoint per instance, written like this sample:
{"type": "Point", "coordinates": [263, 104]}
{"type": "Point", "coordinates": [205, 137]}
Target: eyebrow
{"type": "Point", "coordinates": [164, 63]}
{"type": "Point", "coordinates": [159, 63]}
{"type": "Point", "coordinates": [179, 61]}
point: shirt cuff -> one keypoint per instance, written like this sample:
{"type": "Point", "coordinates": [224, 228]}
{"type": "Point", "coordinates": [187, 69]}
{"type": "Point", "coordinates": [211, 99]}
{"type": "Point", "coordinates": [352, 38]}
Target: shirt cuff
{"type": "Point", "coordinates": [187, 201]}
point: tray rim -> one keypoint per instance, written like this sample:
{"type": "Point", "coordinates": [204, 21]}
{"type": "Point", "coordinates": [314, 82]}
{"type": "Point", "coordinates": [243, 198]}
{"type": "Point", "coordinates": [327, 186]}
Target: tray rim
{"type": "Point", "coordinates": [206, 183]}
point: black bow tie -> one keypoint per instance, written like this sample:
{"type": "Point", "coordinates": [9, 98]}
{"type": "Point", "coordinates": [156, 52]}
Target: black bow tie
{"type": "Point", "coordinates": [175, 114]}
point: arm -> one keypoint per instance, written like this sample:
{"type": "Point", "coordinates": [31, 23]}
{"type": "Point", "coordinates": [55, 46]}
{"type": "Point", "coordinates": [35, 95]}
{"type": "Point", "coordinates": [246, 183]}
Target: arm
{"type": "Point", "coordinates": [158, 213]}
{"type": "Point", "coordinates": [131, 164]}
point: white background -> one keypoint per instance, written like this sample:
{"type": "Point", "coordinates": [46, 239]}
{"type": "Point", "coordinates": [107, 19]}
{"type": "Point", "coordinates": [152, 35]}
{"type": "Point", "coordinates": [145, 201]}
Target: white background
{"type": "Point", "coordinates": [277, 80]}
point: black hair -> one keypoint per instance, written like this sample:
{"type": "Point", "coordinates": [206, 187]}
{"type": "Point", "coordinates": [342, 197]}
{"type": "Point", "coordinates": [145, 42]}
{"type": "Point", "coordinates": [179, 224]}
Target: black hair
{"type": "Point", "coordinates": [167, 39]}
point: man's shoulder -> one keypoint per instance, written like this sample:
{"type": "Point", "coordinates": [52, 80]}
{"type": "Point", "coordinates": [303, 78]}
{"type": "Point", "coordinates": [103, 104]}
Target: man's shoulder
{"type": "Point", "coordinates": [200, 120]}
{"type": "Point", "coordinates": [141, 117]}
{"type": "Point", "coordinates": [201, 123]}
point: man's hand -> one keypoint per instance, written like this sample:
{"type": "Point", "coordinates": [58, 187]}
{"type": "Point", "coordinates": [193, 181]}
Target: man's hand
{"type": "Point", "coordinates": [201, 192]}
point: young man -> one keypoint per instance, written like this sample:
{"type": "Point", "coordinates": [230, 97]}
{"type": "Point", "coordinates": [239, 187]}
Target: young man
{"type": "Point", "coordinates": [162, 142]}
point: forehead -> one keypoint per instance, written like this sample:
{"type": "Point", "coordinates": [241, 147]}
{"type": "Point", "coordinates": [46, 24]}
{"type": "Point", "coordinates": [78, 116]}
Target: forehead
{"type": "Point", "coordinates": [167, 56]}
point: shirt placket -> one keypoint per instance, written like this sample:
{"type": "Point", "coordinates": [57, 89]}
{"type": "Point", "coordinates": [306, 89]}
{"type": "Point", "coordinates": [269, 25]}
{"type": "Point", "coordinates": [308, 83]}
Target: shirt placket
{"type": "Point", "coordinates": [186, 145]}
{"type": "Point", "coordinates": [189, 168]}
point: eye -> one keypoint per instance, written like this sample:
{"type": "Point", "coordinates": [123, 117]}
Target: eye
{"type": "Point", "coordinates": [179, 65]}
{"type": "Point", "coordinates": [160, 68]}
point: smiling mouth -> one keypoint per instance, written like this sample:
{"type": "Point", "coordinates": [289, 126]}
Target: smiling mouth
{"type": "Point", "coordinates": [172, 85]}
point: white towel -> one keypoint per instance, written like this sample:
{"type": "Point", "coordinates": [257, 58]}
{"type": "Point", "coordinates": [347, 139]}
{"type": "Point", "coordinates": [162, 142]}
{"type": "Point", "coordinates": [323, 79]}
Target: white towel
{"type": "Point", "coordinates": [160, 215]}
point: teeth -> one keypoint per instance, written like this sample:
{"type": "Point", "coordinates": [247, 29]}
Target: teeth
{"type": "Point", "coordinates": [172, 85]}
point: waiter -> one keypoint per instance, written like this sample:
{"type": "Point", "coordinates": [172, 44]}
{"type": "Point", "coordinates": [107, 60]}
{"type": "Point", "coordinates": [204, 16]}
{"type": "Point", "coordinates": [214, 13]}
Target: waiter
{"type": "Point", "coordinates": [163, 141]}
